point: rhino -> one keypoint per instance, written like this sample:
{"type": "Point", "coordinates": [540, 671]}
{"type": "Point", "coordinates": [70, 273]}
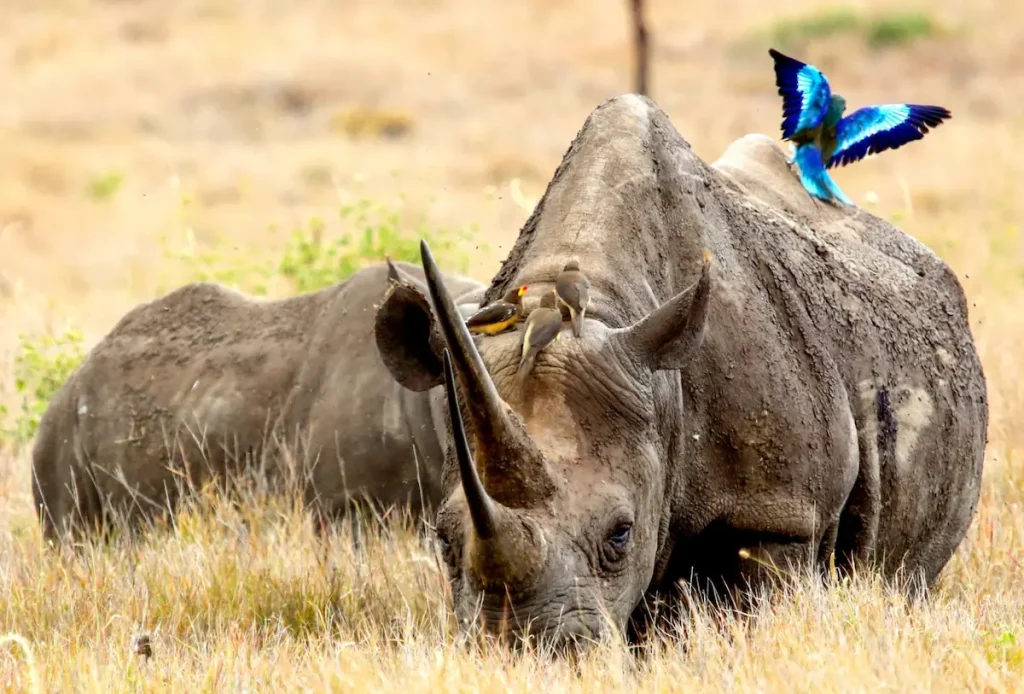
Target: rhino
{"type": "Point", "coordinates": [765, 384]}
{"type": "Point", "coordinates": [206, 381]}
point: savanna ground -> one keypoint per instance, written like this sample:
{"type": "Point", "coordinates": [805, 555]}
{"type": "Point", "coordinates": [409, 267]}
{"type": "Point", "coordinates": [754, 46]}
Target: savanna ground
{"type": "Point", "coordinates": [149, 143]}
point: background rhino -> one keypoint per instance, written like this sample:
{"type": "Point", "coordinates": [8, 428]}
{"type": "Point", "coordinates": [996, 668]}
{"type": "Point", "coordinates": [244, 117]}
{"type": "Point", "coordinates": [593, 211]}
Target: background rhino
{"type": "Point", "coordinates": [814, 390]}
{"type": "Point", "coordinates": [205, 380]}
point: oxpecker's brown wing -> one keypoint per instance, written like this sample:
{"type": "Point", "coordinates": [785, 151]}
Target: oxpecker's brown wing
{"type": "Point", "coordinates": [542, 327]}
{"type": "Point", "coordinates": [497, 312]}
{"type": "Point", "coordinates": [545, 326]}
{"type": "Point", "coordinates": [573, 288]}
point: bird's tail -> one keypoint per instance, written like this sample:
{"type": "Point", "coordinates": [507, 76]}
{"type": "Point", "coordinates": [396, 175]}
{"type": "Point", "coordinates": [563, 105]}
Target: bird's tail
{"type": "Point", "coordinates": [526, 363]}
{"type": "Point", "coordinates": [526, 367]}
{"type": "Point", "coordinates": [814, 177]}
{"type": "Point", "coordinates": [576, 319]}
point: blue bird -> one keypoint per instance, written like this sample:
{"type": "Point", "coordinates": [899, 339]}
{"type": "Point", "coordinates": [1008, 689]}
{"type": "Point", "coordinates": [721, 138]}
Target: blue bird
{"type": "Point", "coordinates": [813, 120]}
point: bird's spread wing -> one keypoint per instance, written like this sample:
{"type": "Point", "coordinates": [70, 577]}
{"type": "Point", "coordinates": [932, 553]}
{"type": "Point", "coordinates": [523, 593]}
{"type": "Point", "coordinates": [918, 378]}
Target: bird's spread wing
{"type": "Point", "coordinates": [874, 129]}
{"type": "Point", "coordinates": [805, 93]}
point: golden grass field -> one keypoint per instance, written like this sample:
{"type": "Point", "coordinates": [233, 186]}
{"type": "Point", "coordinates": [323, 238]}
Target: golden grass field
{"type": "Point", "coordinates": [131, 128]}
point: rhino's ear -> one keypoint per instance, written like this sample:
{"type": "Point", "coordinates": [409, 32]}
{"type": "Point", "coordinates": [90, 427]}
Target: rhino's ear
{"type": "Point", "coordinates": [397, 276]}
{"type": "Point", "coordinates": [669, 336]}
{"type": "Point", "coordinates": [408, 339]}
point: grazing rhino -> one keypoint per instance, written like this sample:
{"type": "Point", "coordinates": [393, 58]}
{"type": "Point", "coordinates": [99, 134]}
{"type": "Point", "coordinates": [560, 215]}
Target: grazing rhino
{"type": "Point", "coordinates": [812, 391]}
{"type": "Point", "coordinates": [205, 380]}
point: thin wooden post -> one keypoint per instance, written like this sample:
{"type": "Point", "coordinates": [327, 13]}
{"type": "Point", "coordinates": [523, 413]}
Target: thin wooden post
{"type": "Point", "coordinates": [641, 47]}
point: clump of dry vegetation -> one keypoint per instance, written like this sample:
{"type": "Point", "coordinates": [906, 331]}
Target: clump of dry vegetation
{"type": "Point", "coordinates": [243, 596]}
{"type": "Point", "coordinates": [173, 176]}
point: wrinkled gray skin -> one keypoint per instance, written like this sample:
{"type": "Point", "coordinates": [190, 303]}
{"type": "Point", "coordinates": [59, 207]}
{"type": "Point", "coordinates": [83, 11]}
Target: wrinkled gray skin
{"type": "Point", "coordinates": [817, 392]}
{"type": "Point", "coordinates": [205, 364]}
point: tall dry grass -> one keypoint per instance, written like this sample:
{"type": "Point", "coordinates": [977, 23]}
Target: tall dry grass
{"type": "Point", "coordinates": [243, 597]}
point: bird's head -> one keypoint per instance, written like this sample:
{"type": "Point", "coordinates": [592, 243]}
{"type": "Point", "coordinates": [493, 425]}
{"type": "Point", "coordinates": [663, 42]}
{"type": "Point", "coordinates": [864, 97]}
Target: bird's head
{"type": "Point", "coordinates": [515, 295]}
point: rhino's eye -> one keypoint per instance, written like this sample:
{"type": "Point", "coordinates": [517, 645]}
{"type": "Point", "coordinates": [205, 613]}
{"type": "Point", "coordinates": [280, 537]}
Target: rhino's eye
{"type": "Point", "coordinates": [617, 541]}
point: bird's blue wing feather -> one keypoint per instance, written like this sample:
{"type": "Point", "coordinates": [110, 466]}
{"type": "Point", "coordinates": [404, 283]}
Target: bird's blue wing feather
{"type": "Point", "coordinates": [813, 176]}
{"type": "Point", "coordinates": [874, 129]}
{"type": "Point", "coordinates": [805, 93]}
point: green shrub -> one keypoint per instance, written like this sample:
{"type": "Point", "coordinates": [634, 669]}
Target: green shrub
{"type": "Point", "coordinates": [224, 263]}
{"type": "Point", "coordinates": [312, 260]}
{"type": "Point", "coordinates": [41, 367]}
{"type": "Point", "coordinates": [822, 24]}
{"type": "Point", "coordinates": [887, 28]}
{"type": "Point", "coordinates": [315, 255]}
{"type": "Point", "coordinates": [105, 186]}
{"type": "Point", "coordinates": [898, 28]}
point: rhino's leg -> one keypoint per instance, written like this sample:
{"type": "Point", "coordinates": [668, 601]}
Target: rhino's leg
{"type": "Point", "coordinates": [858, 523]}
{"type": "Point", "coordinates": [68, 507]}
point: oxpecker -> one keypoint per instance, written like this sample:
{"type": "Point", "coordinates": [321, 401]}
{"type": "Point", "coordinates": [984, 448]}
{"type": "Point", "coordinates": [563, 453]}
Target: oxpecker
{"type": "Point", "coordinates": [573, 291]}
{"type": "Point", "coordinates": [543, 326]}
{"type": "Point", "coordinates": [500, 315]}
{"type": "Point", "coordinates": [813, 120]}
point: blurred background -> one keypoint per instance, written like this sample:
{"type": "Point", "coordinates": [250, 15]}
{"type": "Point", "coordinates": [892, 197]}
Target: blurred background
{"type": "Point", "coordinates": [146, 143]}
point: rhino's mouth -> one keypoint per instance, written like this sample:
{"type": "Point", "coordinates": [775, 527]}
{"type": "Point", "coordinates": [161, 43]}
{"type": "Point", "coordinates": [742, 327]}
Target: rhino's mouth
{"type": "Point", "coordinates": [546, 623]}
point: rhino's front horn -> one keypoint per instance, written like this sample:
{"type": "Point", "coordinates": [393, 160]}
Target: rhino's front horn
{"type": "Point", "coordinates": [505, 549]}
{"type": "Point", "coordinates": [513, 469]}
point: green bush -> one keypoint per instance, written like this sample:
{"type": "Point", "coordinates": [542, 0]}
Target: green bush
{"type": "Point", "coordinates": [898, 28]}
{"type": "Point", "coordinates": [884, 29]}
{"type": "Point", "coordinates": [41, 367]}
{"type": "Point", "coordinates": [224, 263]}
{"type": "Point", "coordinates": [312, 260]}
{"type": "Point", "coordinates": [315, 255]}
{"type": "Point", "coordinates": [105, 186]}
{"type": "Point", "coordinates": [822, 24]}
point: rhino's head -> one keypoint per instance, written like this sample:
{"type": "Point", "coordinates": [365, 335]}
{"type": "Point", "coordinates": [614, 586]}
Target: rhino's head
{"type": "Point", "coordinates": [555, 488]}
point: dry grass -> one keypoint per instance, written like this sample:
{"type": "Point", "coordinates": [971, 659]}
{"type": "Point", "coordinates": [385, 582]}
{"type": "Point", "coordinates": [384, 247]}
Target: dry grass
{"type": "Point", "coordinates": [248, 600]}
{"type": "Point", "coordinates": [269, 113]}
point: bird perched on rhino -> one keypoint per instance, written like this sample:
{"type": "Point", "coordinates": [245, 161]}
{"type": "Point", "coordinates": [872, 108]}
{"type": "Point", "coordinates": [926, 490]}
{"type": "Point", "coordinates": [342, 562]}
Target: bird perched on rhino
{"type": "Point", "coordinates": [543, 326]}
{"type": "Point", "coordinates": [499, 316]}
{"type": "Point", "coordinates": [813, 120]}
{"type": "Point", "coordinates": [572, 288]}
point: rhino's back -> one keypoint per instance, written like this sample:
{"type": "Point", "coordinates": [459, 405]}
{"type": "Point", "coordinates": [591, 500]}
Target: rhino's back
{"type": "Point", "coordinates": [195, 374]}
